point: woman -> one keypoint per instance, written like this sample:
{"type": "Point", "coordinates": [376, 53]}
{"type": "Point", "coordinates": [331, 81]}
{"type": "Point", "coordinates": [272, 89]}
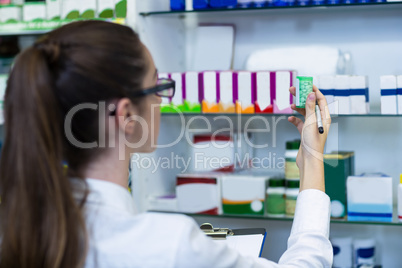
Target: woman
{"type": "Point", "coordinates": [87, 94]}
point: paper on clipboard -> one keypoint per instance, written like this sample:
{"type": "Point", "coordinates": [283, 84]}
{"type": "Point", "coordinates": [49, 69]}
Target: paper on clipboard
{"type": "Point", "coordinates": [246, 245]}
{"type": "Point", "coordinates": [248, 242]}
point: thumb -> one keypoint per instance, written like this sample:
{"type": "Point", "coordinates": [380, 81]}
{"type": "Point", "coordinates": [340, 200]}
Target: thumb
{"type": "Point", "coordinates": [310, 105]}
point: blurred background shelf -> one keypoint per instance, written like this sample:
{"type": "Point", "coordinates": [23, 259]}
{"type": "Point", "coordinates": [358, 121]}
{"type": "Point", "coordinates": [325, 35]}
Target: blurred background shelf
{"type": "Point", "coordinates": [276, 115]}
{"type": "Point", "coordinates": [285, 219]}
{"type": "Point", "coordinates": [238, 11]}
{"type": "Point", "coordinates": [39, 27]}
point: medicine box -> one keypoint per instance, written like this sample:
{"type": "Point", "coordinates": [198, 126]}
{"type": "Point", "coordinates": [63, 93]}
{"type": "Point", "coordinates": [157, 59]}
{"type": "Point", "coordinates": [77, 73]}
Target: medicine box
{"type": "Point", "coordinates": [399, 92]}
{"type": "Point", "coordinates": [191, 93]}
{"type": "Point", "coordinates": [243, 194]}
{"type": "Point", "coordinates": [211, 153]}
{"type": "Point", "coordinates": [358, 91]}
{"type": "Point", "coordinates": [388, 94]}
{"type": "Point", "coordinates": [226, 92]}
{"type": "Point", "coordinates": [263, 92]}
{"type": "Point", "coordinates": [34, 11]}
{"type": "Point", "coordinates": [199, 194]}
{"type": "Point", "coordinates": [200, 4]}
{"type": "Point", "coordinates": [244, 89]}
{"type": "Point", "coordinates": [337, 167]}
{"type": "Point", "coordinates": [177, 5]}
{"type": "Point", "coordinates": [163, 203]}
{"type": "Point", "coordinates": [282, 81]}
{"type": "Point", "coordinates": [105, 8]}
{"type": "Point", "coordinates": [70, 9]}
{"type": "Point", "coordinates": [209, 91]}
{"type": "Point", "coordinates": [10, 13]}
{"type": "Point", "coordinates": [222, 3]}
{"type": "Point", "coordinates": [342, 93]}
{"type": "Point", "coordinates": [53, 9]}
{"type": "Point", "coordinates": [327, 88]}
{"type": "Point", "coordinates": [88, 9]}
{"type": "Point", "coordinates": [177, 100]}
{"type": "Point", "coordinates": [369, 198]}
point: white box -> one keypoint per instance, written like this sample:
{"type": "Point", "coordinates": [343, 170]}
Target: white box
{"type": "Point", "coordinates": [53, 9]}
{"type": "Point", "coordinates": [211, 153]}
{"type": "Point", "coordinates": [399, 92]}
{"type": "Point", "coordinates": [226, 92]}
{"type": "Point", "coordinates": [192, 90]}
{"type": "Point", "coordinates": [162, 203]}
{"type": "Point", "coordinates": [10, 13]}
{"type": "Point", "coordinates": [88, 9]}
{"type": "Point", "coordinates": [34, 11]}
{"type": "Point", "coordinates": [263, 91]}
{"type": "Point", "coordinates": [369, 197]}
{"type": "Point", "coordinates": [189, 5]}
{"type": "Point", "coordinates": [244, 89]}
{"type": "Point", "coordinates": [178, 95]}
{"type": "Point", "coordinates": [209, 88]}
{"type": "Point", "coordinates": [235, 200]}
{"type": "Point", "coordinates": [283, 98]}
{"type": "Point", "coordinates": [342, 93]}
{"type": "Point", "coordinates": [199, 193]}
{"type": "Point", "coordinates": [358, 86]}
{"type": "Point", "coordinates": [106, 8]}
{"type": "Point", "coordinates": [388, 94]}
{"type": "Point", "coordinates": [327, 87]}
{"type": "Point", "coordinates": [70, 9]}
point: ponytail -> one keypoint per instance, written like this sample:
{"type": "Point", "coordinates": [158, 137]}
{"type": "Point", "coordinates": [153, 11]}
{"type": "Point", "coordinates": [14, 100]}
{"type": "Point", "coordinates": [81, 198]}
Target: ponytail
{"type": "Point", "coordinates": [41, 225]}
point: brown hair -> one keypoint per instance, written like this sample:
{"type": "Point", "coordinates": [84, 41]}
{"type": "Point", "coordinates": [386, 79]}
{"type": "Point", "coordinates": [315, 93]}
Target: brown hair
{"type": "Point", "coordinates": [42, 225]}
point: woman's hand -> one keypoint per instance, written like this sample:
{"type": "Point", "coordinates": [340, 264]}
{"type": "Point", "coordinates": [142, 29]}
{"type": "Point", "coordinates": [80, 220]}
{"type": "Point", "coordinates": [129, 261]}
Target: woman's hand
{"type": "Point", "coordinates": [311, 152]}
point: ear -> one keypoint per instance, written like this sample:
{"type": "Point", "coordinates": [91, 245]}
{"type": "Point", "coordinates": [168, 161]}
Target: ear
{"type": "Point", "coordinates": [124, 111]}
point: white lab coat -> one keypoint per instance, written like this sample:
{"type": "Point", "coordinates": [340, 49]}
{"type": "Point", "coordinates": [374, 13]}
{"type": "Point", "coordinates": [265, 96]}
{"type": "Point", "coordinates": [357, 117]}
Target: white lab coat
{"type": "Point", "coordinates": [119, 237]}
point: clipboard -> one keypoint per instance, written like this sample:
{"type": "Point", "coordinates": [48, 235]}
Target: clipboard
{"type": "Point", "coordinates": [248, 241]}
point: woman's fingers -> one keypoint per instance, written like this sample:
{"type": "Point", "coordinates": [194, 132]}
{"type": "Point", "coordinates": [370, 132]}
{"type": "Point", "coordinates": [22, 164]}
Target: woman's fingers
{"type": "Point", "coordinates": [297, 122]}
{"type": "Point", "coordinates": [322, 103]}
{"type": "Point", "coordinates": [301, 111]}
{"type": "Point", "coordinates": [292, 91]}
{"type": "Point", "coordinates": [310, 105]}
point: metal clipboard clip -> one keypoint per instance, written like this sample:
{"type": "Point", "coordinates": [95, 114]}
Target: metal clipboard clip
{"type": "Point", "coordinates": [215, 233]}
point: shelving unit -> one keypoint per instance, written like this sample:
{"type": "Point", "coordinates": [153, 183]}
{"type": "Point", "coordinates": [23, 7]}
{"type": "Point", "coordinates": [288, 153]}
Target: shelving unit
{"type": "Point", "coordinates": [275, 8]}
{"type": "Point", "coordinates": [290, 219]}
{"type": "Point", "coordinates": [277, 115]}
{"type": "Point", "coordinates": [371, 33]}
{"type": "Point", "coordinates": [38, 27]}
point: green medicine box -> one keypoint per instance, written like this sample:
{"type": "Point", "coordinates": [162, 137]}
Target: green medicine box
{"type": "Point", "coordinates": [337, 167]}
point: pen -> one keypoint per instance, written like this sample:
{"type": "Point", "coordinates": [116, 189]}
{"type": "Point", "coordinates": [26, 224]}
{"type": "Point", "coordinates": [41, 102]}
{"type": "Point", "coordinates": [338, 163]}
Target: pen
{"type": "Point", "coordinates": [319, 120]}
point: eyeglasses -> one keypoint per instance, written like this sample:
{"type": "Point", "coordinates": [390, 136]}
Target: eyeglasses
{"type": "Point", "coordinates": [164, 88]}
